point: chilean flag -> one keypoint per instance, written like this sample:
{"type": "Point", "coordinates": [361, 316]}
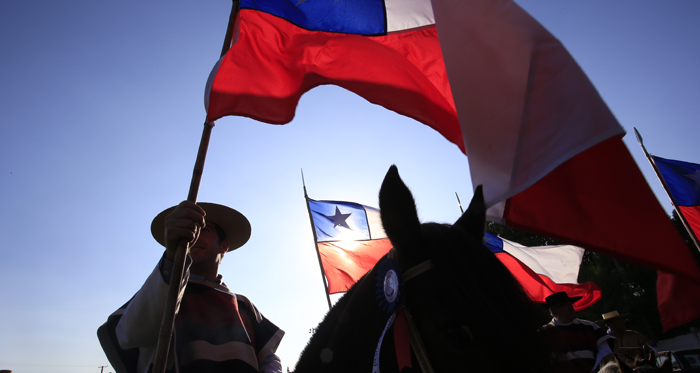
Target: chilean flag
{"type": "Point", "coordinates": [539, 137]}
{"type": "Point", "coordinates": [350, 240]}
{"type": "Point", "coordinates": [545, 270]}
{"type": "Point", "coordinates": [679, 299]}
{"type": "Point", "coordinates": [683, 182]}
{"type": "Point", "coordinates": [386, 51]}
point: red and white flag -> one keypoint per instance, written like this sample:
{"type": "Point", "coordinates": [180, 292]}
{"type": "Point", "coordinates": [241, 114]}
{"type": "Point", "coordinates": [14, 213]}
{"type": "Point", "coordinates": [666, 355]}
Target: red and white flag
{"type": "Point", "coordinates": [540, 139]}
{"type": "Point", "coordinates": [545, 270]}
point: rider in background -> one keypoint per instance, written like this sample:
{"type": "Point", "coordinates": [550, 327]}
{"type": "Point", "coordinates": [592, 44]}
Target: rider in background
{"type": "Point", "coordinates": [577, 345]}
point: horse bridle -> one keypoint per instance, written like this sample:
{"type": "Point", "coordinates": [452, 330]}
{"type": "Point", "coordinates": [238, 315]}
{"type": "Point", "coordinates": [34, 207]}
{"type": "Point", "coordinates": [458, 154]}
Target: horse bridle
{"type": "Point", "coordinates": [416, 341]}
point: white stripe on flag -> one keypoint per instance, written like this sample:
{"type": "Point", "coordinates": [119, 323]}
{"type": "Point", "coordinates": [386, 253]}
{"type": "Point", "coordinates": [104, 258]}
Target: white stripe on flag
{"type": "Point", "coordinates": [560, 263]}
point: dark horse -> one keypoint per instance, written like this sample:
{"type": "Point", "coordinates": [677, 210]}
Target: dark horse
{"type": "Point", "coordinates": [468, 311]}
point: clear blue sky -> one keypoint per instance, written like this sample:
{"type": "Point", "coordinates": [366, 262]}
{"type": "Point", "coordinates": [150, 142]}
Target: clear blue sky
{"type": "Point", "coordinates": [101, 110]}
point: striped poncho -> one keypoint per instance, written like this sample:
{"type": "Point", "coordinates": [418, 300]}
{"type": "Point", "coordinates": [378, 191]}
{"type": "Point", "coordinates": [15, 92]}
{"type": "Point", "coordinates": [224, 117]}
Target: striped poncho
{"type": "Point", "coordinates": [216, 330]}
{"type": "Point", "coordinates": [577, 346]}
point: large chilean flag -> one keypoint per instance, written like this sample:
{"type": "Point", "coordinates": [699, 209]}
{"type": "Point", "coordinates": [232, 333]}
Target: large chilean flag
{"type": "Point", "coordinates": [386, 51]}
{"type": "Point", "coordinates": [539, 137]}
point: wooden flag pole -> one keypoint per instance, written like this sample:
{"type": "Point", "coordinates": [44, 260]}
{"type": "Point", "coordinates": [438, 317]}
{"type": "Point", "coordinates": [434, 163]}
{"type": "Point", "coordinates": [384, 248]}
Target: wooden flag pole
{"type": "Point", "coordinates": [318, 253]}
{"type": "Point", "coordinates": [176, 286]}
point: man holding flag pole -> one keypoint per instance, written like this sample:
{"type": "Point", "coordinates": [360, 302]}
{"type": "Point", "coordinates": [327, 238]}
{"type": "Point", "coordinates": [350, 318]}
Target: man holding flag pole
{"type": "Point", "coordinates": [145, 345]}
{"type": "Point", "coordinates": [216, 330]}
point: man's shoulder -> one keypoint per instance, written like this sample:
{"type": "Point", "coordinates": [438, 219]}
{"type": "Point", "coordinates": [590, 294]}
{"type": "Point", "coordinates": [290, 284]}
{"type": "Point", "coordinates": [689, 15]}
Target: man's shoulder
{"type": "Point", "coordinates": [589, 324]}
{"type": "Point", "coordinates": [242, 299]}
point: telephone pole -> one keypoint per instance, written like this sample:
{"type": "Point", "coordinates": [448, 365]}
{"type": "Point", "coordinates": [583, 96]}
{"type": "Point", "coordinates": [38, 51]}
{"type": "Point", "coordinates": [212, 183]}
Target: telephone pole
{"type": "Point", "coordinates": [102, 368]}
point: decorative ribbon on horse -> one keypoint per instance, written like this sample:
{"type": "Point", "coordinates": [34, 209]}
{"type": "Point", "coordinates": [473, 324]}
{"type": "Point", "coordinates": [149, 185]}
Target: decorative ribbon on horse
{"type": "Point", "coordinates": [402, 341]}
{"type": "Point", "coordinates": [375, 362]}
{"type": "Point", "coordinates": [390, 294]}
{"type": "Point", "coordinates": [390, 288]}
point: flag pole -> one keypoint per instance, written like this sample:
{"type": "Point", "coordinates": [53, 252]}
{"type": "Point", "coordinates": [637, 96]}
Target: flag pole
{"type": "Point", "coordinates": [176, 286]}
{"type": "Point", "coordinates": [318, 253]}
{"type": "Point", "coordinates": [670, 196]}
{"type": "Point", "coordinates": [461, 210]}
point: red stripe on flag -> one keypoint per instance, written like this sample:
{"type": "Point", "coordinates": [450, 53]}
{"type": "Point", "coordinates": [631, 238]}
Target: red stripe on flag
{"type": "Point", "coordinates": [599, 200]}
{"type": "Point", "coordinates": [346, 262]}
{"type": "Point", "coordinates": [678, 300]}
{"type": "Point", "coordinates": [540, 287]}
{"type": "Point", "coordinates": [692, 216]}
{"type": "Point", "coordinates": [274, 62]}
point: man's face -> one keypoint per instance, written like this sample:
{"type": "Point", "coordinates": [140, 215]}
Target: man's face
{"type": "Point", "coordinates": [208, 249]}
{"type": "Point", "coordinates": [563, 312]}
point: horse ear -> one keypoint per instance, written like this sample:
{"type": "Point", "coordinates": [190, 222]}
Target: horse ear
{"type": "Point", "coordinates": [398, 211]}
{"type": "Point", "coordinates": [474, 219]}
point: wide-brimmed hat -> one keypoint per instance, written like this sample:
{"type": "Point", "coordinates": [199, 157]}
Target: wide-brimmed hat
{"type": "Point", "coordinates": [560, 297]}
{"type": "Point", "coordinates": [235, 225]}
{"type": "Point", "coordinates": [611, 315]}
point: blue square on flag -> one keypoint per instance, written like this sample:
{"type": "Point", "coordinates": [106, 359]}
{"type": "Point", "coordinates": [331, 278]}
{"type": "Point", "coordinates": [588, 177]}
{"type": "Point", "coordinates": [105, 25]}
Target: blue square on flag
{"type": "Point", "coordinates": [365, 17]}
{"type": "Point", "coordinates": [682, 179]}
{"type": "Point", "coordinates": [493, 242]}
{"type": "Point", "coordinates": [339, 221]}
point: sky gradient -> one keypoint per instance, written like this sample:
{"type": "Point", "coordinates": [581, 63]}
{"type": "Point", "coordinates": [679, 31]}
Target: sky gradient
{"type": "Point", "coordinates": [101, 110]}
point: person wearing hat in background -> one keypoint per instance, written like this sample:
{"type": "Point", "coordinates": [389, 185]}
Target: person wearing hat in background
{"type": "Point", "coordinates": [216, 330]}
{"type": "Point", "coordinates": [627, 342]}
{"type": "Point", "coordinates": [577, 345]}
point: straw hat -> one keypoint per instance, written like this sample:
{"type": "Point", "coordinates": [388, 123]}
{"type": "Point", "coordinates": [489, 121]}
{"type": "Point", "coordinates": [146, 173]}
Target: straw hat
{"type": "Point", "coordinates": [560, 297]}
{"type": "Point", "coordinates": [611, 315]}
{"type": "Point", "coordinates": [235, 225]}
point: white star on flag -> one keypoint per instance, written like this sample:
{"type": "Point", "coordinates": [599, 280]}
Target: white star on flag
{"type": "Point", "coordinates": [339, 219]}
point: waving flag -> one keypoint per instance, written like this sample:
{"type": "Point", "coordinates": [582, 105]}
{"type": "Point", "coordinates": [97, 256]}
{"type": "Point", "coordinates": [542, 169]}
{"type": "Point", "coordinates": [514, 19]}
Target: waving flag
{"type": "Point", "coordinates": [350, 240]}
{"type": "Point", "coordinates": [543, 143]}
{"type": "Point", "coordinates": [682, 181]}
{"type": "Point", "coordinates": [545, 270]}
{"type": "Point", "coordinates": [539, 137]}
{"type": "Point", "coordinates": [385, 51]}
{"type": "Point", "coordinates": [678, 298]}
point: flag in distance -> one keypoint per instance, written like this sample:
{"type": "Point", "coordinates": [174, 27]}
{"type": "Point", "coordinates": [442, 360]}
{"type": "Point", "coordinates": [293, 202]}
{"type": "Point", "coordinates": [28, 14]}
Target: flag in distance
{"type": "Point", "coordinates": [683, 182]}
{"type": "Point", "coordinates": [539, 137]}
{"type": "Point", "coordinates": [678, 298]}
{"type": "Point", "coordinates": [545, 270]}
{"type": "Point", "coordinates": [350, 240]}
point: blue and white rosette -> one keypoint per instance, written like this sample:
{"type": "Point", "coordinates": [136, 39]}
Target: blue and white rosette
{"type": "Point", "coordinates": [390, 287]}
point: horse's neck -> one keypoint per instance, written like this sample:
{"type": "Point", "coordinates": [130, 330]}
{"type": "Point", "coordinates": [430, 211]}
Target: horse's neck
{"type": "Point", "coordinates": [347, 338]}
